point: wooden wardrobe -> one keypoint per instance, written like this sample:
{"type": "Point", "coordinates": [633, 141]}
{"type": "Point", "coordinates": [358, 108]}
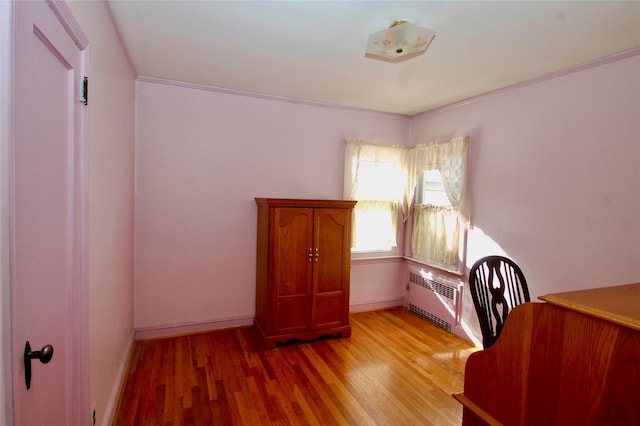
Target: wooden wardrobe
{"type": "Point", "coordinates": [303, 269]}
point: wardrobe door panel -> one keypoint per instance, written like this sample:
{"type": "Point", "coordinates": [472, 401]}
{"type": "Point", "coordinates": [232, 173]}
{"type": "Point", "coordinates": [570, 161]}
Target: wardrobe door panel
{"type": "Point", "coordinates": [333, 232]}
{"type": "Point", "coordinates": [292, 238]}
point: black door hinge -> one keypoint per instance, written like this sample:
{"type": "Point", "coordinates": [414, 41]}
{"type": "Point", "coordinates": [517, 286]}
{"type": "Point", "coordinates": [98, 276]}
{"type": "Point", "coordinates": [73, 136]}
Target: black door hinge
{"type": "Point", "coordinates": [85, 90]}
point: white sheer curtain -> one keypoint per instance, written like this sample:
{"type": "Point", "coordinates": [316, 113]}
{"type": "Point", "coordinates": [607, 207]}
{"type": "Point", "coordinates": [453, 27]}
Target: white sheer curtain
{"type": "Point", "coordinates": [376, 176]}
{"type": "Point", "coordinates": [436, 236]}
{"type": "Point", "coordinates": [437, 230]}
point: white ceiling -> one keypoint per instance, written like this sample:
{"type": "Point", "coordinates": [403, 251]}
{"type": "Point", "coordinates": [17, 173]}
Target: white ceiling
{"type": "Point", "coordinates": [314, 51]}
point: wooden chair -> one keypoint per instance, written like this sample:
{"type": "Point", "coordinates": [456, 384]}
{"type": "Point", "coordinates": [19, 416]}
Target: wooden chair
{"type": "Point", "coordinates": [497, 285]}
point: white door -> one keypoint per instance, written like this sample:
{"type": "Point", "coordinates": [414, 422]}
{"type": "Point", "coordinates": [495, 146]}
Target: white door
{"type": "Point", "coordinates": [47, 218]}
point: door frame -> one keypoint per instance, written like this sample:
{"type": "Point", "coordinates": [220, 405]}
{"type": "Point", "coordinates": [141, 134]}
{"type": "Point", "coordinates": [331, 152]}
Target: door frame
{"type": "Point", "coordinates": [6, 43]}
{"type": "Point", "coordinates": [11, 358]}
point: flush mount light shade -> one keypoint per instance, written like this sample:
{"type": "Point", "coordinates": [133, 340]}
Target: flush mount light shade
{"type": "Point", "coordinates": [401, 41]}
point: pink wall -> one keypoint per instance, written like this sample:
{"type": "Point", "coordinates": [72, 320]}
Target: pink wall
{"type": "Point", "coordinates": [554, 175]}
{"type": "Point", "coordinates": [201, 158]}
{"type": "Point", "coordinates": [111, 130]}
{"type": "Point", "coordinates": [377, 284]}
{"type": "Point", "coordinates": [553, 179]}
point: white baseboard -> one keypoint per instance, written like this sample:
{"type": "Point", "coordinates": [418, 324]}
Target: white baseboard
{"type": "Point", "coordinates": [112, 404]}
{"type": "Point", "coordinates": [467, 335]}
{"type": "Point", "coordinates": [143, 333]}
{"type": "Point", "coordinates": [374, 306]}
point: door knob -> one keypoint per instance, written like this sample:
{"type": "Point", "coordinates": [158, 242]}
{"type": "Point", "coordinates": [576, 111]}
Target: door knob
{"type": "Point", "coordinates": [44, 355]}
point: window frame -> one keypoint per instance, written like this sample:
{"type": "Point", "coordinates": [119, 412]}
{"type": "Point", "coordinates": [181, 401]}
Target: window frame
{"type": "Point", "coordinates": [420, 190]}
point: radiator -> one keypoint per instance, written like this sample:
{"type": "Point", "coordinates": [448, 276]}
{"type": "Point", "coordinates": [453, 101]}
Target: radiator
{"type": "Point", "coordinates": [434, 297]}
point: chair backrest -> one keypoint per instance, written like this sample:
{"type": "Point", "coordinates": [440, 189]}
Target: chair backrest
{"type": "Point", "coordinates": [497, 285]}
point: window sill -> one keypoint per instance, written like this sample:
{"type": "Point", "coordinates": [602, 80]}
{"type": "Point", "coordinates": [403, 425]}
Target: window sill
{"type": "Point", "coordinates": [394, 258]}
{"type": "Point", "coordinates": [418, 262]}
{"type": "Point", "coordinates": [375, 259]}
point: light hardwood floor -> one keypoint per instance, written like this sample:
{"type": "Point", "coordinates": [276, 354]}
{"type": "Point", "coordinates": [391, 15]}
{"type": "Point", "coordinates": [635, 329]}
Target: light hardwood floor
{"type": "Point", "coordinates": [395, 369]}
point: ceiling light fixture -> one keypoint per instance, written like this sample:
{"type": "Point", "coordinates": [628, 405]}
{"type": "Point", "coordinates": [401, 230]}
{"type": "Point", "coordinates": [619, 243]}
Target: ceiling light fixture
{"type": "Point", "coordinates": [401, 41]}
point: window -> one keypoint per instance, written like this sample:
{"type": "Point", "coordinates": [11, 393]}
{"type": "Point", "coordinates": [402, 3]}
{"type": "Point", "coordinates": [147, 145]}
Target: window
{"type": "Point", "coordinates": [381, 177]}
{"type": "Point", "coordinates": [430, 190]}
{"type": "Point", "coordinates": [375, 176]}
{"type": "Point", "coordinates": [439, 225]}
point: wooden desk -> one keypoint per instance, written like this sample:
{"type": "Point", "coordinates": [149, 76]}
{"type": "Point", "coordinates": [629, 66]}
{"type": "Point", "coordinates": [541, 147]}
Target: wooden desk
{"type": "Point", "coordinates": [574, 360]}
